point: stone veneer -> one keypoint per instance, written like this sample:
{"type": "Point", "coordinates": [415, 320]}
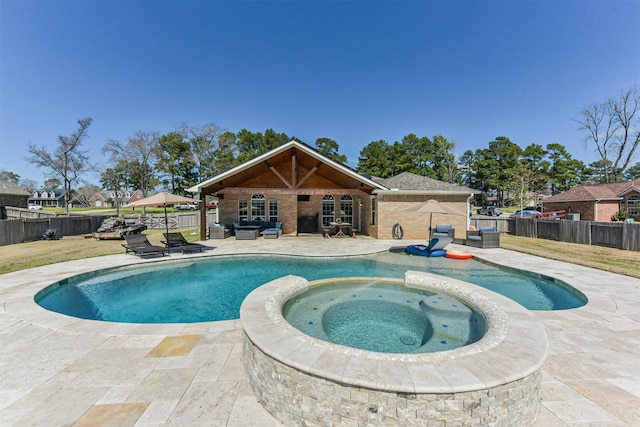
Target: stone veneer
{"type": "Point", "coordinates": [297, 398]}
{"type": "Point", "coordinates": [301, 380]}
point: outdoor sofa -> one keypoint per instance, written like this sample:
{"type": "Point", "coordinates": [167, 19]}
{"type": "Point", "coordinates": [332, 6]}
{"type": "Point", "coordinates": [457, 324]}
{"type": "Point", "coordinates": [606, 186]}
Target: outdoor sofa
{"type": "Point", "coordinates": [485, 237]}
{"type": "Point", "coordinates": [261, 225]}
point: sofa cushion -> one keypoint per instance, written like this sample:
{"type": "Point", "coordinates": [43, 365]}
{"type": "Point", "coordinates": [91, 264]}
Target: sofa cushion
{"type": "Point", "coordinates": [487, 230]}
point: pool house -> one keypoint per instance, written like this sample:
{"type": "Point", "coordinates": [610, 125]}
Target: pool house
{"type": "Point", "coordinates": [306, 191]}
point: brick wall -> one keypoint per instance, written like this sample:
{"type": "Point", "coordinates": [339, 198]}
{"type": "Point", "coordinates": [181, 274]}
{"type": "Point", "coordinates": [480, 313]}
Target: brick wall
{"type": "Point", "coordinates": [586, 209]}
{"type": "Point", "coordinates": [393, 209]}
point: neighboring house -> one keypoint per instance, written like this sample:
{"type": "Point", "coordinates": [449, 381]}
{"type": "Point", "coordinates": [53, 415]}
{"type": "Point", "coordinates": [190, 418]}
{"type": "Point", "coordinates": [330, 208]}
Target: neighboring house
{"type": "Point", "coordinates": [48, 198]}
{"type": "Point", "coordinates": [12, 195]}
{"type": "Point", "coordinates": [107, 198]}
{"type": "Point", "coordinates": [598, 202]}
{"type": "Point", "coordinates": [306, 191]}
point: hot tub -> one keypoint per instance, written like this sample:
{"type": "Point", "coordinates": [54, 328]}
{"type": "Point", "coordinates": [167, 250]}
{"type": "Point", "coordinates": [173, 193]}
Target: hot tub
{"type": "Point", "coordinates": [303, 380]}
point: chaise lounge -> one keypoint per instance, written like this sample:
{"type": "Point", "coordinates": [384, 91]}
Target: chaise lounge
{"type": "Point", "coordinates": [177, 240]}
{"type": "Point", "coordinates": [138, 244]}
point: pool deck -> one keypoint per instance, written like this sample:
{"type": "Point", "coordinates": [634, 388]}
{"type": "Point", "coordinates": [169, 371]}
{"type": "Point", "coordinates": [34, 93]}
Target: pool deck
{"type": "Point", "coordinates": [58, 370]}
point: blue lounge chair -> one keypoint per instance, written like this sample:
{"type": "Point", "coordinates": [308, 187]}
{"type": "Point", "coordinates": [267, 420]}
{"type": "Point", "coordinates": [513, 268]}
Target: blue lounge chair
{"type": "Point", "coordinates": [434, 249]}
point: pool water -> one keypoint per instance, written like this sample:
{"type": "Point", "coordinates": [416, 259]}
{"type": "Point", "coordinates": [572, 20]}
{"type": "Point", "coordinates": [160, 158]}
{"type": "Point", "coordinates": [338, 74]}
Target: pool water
{"type": "Point", "coordinates": [384, 317]}
{"type": "Point", "coordinates": [213, 288]}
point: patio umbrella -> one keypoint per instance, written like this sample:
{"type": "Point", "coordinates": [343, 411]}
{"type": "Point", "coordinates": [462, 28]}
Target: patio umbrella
{"type": "Point", "coordinates": [433, 206]}
{"type": "Point", "coordinates": [161, 199]}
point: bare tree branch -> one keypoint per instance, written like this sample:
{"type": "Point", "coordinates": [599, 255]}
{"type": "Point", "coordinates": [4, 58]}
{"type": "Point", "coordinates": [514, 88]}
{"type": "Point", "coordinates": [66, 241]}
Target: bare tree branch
{"type": "Point", "coordinates": [68, 161]}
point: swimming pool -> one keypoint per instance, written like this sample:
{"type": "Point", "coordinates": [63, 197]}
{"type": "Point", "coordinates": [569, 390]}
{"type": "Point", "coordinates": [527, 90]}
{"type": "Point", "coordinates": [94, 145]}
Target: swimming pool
{"type": "Point", "coordinates": [213, 288]}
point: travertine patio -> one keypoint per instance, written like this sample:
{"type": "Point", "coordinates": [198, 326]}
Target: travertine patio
{"type": "Point", "coordinates": [58, 370]}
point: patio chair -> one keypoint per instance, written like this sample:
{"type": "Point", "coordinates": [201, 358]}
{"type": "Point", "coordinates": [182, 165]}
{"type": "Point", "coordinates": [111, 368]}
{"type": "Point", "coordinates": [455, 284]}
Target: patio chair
{"type": "Point", "coordinates": [138, 244]}
{"type": "Point", "coordinates": [177, 240]}
{"type": "Point", "coordinates": [486, 237]}
{"type": "Point", "coordinates": [444, 230]}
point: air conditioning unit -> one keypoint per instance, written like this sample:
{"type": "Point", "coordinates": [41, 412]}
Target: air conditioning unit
{"type": "Point", "coordinates": [573, 217]}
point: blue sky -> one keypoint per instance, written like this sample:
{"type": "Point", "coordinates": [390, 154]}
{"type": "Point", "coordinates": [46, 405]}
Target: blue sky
{"type": "Point", "coordinates": [354, 72]}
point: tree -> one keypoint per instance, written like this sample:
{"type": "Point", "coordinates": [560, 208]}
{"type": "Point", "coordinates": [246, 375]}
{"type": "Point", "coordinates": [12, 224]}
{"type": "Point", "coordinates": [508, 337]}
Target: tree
{"type": "Point", "coordinates": [207, 149]}
{"type": "Point", "coordinates": [595, 172]}
{"type": "Point", "coordinates": [415, 155]}
{"type": "Point", "coordinates": [534, 158]}
{"type": "Point", "coordinates": [564, 172]}
{"type": "Point", "coordinates": [175, 161]}
{"type": "Point", "coordinates": [52, 183]}
{"type": "Point", "coordinates": [68, 161]}
{"type": "Point", "coordinates": [633, 172]}
{"type": "Point", "coordinates": [251, 145]}
{"type": "Point", "coordinates": [466, 166]}
{"type": "Point", "coordinates": [614, 128]}
{"type": "Point", "coordinates": [375, 159]}
{"type": "Point", "coordinates": [137, 156]}
{"type": "Point", "coordinates": [9, 176]}
{"type": "Point", "coordinates": [495, 167]}
{"type": "Point", "coordinates": [329, 147]}
{"type": "Point", "coordinates": [115, 179]}
{"type": "Point", "coordinates": [444, 161]}
{"type": "Point", "coordinates": [29, 184]}
{"type": "Point", "coordinates": [85, 193]}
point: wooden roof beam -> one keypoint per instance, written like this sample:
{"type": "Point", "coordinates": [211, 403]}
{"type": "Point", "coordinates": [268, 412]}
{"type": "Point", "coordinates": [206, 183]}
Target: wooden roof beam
{"type": "Point", "coordinates": [282, 178]}
{"type": "Point", "coordinates": [308, 175]}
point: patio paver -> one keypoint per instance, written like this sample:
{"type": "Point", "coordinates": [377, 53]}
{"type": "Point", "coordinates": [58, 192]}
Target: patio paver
{"type": "Point", "coordinates": [58, 370]}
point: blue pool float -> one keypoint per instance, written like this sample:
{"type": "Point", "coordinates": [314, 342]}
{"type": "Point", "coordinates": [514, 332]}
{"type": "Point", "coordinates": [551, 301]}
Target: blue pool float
{"type": "Point", "coordinates": [434, 249]}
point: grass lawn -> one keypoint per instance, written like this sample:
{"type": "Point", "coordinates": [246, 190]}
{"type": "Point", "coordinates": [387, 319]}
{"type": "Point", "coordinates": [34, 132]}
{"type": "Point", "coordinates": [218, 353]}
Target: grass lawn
{"type": "Point", "coordinates": [43, 252]}
{"type": "Point", "coordinates": [33, 254]}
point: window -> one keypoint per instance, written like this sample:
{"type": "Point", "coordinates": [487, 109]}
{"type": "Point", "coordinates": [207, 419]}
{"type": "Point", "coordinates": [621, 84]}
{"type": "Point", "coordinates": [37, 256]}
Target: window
{"type": "Point", "coordinates": [273, 210]}
{"type": "Point", "coordinates": [258, 208]}
{"type": "Point", "coordinates": [633, 206]}
{"type": "Point", "coordinates": [242, 210]}
{"type": "Point", "coordinates": [328, 206]}
{"type": "Point", "coordinates": [373, 211]}
{"type": "Point", "coordinates": [346, 209]}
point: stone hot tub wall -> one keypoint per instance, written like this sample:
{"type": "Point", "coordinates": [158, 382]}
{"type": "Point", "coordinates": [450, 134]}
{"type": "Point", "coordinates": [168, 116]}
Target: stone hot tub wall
{"type": "Point", "coordinates": [305, 381]}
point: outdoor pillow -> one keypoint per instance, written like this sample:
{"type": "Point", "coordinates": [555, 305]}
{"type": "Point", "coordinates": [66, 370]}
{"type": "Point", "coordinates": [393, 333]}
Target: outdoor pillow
{"type": "Point", "coordinates": [440, 228]}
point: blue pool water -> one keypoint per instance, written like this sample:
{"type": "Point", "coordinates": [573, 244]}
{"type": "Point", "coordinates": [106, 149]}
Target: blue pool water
{"type": "Point", "coordinates": [210, 289]}
{"type": "Point", "coordinates": [384, 317]}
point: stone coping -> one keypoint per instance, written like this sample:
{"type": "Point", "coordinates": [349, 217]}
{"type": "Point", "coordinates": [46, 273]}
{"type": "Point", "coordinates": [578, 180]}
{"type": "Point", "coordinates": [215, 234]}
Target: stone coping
{"type": "Point", "coordinates": [514, 347]}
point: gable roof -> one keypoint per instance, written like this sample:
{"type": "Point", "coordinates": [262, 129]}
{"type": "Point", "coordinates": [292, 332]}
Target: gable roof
{"type": "Point", "coordinates": [309, 151]}
{"type": "Point", "coordinates": [411, 182]}
{"type": "Point", "coordinates": [610, 191]}
{"type": "Point", "coordinates": [7, 187]}
{"type": "Point", "coordinates": [58, 193]}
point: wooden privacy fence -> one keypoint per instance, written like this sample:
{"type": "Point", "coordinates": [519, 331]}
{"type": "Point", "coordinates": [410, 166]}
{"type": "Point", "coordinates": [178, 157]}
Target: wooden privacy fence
{"type": "Point", "coordinates": [500, 224]}
{"type": "Point", "coordinates": [27, 229]}
{"type": "Point", "coordinates": [619, 235]}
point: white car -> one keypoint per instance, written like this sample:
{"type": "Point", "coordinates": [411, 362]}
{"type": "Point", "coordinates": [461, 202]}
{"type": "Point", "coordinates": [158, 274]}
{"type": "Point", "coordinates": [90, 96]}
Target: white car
{"type": "Point", "coordinates": [35, 207]}
{"type": "Point", "coordinates": [186, 207]}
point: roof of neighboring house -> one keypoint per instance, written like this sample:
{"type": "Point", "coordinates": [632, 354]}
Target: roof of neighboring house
{"type": "Point", "coordinates": [407, 181]}
{"type": "Point", "coordinates": [610, 191]}
{"type": "Point", "coordinates": [7, 187]}
{"type": "Point", "coordinates": [58, 192]}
